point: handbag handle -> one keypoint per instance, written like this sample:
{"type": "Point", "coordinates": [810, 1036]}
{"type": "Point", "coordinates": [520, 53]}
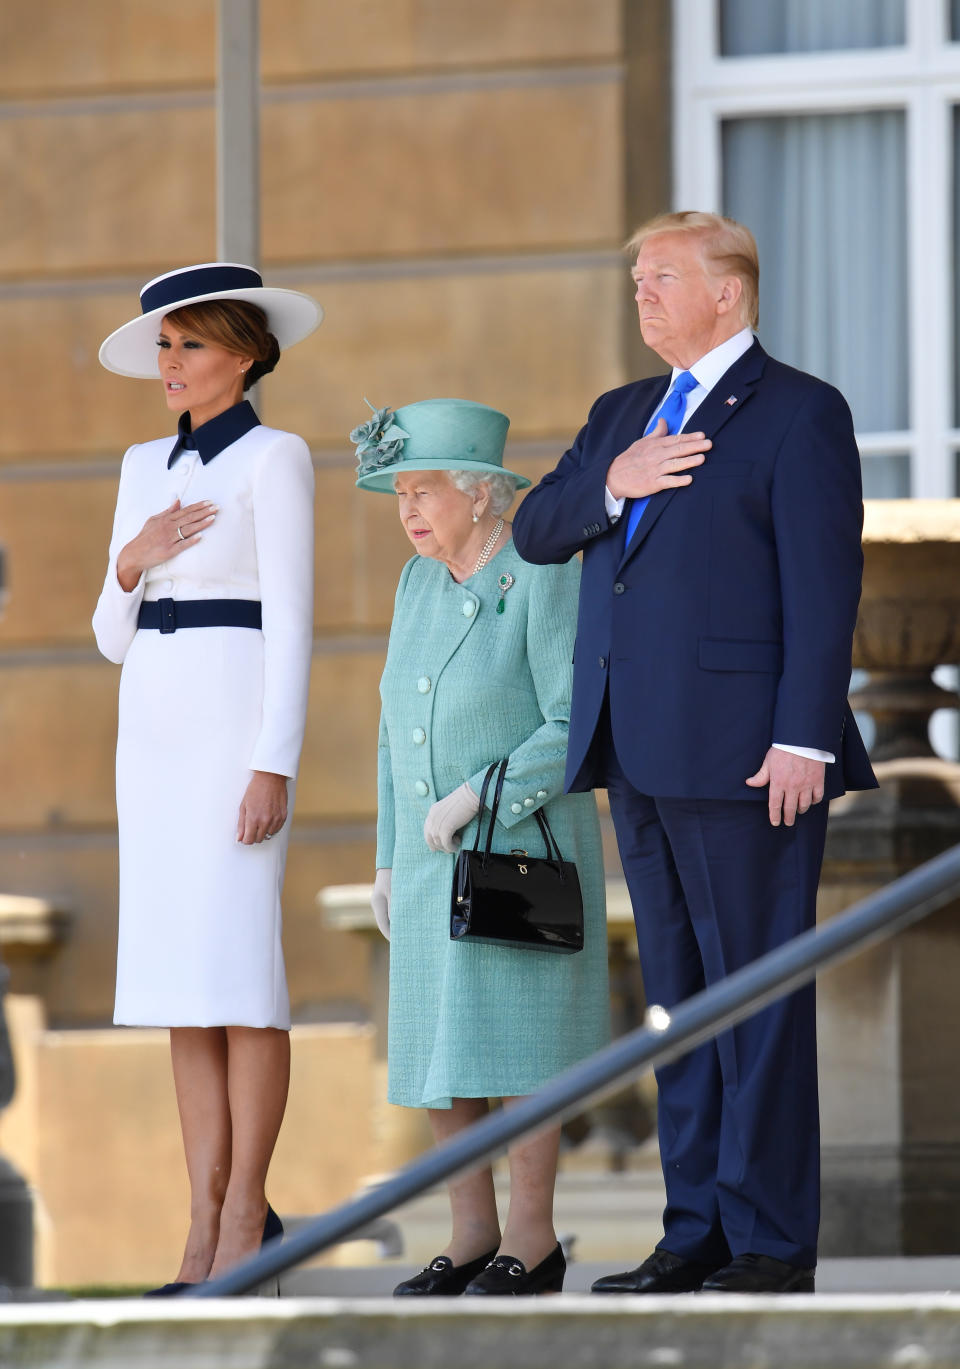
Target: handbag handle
{"type": "Point", "coordinates": [546, 831]}
{"type": "Point", "coordinates": [501, 768]}
{"type": "Point", "coordinates": [496, 803]}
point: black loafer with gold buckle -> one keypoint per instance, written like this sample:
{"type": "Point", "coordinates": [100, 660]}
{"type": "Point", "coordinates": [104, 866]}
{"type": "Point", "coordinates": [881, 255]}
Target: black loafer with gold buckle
{"type": "Point", "coordinates": [506, 1277]}
{"type": "Point", "coordinates": [442, 1278]}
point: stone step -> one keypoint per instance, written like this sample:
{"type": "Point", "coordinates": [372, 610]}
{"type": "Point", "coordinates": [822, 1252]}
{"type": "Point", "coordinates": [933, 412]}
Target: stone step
{"type": "Point", "coordinates": [872, 1276]}
{"type": "Point", "coordinates": [832, 1331]}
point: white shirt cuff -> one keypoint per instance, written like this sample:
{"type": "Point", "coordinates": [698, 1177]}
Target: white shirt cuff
{"type": "Point", "coordinates": [613, 506]}
{"type": "Point", "coordinates": [809, 752]}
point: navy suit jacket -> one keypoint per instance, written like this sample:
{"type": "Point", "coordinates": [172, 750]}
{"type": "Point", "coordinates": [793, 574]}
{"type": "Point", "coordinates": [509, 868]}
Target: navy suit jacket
{"type": "Point", "coordinates": [727, 624]}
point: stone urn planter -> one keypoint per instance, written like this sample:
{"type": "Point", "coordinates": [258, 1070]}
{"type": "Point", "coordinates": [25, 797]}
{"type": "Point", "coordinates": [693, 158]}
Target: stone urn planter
{"type": "Point", "coordinates": [909, 618]}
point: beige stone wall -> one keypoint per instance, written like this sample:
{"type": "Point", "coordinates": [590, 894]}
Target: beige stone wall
{"type": "Point", "coordinates": [452, 180]}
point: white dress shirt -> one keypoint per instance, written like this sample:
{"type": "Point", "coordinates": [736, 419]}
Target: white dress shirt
{"type": "Point", "coordinates": [707, 372]}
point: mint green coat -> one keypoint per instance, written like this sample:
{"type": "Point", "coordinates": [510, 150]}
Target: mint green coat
{"type": "Point", "coordinates": [464, 686]}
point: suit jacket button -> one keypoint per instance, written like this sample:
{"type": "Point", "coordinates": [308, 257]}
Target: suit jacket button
{"type": "Point", "coordinates": [603, 661]}
{"type": "Point", "coordinates": [619, 587]}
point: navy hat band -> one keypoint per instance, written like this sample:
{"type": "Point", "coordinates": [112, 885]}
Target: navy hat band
{"type": "Point", "coordinates": [172, 290]}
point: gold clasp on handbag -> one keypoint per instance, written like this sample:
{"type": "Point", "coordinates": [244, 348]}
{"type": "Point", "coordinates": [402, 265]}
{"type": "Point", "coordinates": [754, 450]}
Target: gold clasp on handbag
{"type": "Point", "coordinates": [516, 851]}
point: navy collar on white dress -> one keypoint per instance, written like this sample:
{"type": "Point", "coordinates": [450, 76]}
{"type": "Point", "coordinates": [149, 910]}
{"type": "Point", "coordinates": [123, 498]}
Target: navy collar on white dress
{"type": "Point", "coordinates": [218, 432]}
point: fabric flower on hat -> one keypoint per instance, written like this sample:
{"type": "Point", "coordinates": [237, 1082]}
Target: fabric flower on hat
{"type": "Point", "coordinates": [379, 441]}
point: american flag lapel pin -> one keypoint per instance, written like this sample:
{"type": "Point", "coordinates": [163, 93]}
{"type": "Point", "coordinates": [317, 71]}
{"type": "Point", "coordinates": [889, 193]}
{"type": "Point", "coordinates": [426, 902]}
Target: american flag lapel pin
{"type": "Point", "coordinates": [730, 401]}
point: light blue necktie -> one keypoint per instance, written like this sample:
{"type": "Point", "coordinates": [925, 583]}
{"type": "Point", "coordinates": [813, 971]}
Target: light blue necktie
{"type": "Point", "coordinates": [672, 409]}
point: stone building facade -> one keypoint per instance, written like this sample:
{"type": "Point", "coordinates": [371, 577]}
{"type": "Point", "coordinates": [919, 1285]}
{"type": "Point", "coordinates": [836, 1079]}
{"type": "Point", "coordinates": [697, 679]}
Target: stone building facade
{"type": "Point", "coordinates": [453, 182]}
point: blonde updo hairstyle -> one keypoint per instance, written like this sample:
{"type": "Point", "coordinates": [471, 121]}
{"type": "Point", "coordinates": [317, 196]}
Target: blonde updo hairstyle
{"type": "Point", "coordinates": [235, 325]}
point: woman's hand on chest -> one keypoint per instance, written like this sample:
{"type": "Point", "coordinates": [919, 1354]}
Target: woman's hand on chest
{"type": "Point", "coordinates": [163, 536]}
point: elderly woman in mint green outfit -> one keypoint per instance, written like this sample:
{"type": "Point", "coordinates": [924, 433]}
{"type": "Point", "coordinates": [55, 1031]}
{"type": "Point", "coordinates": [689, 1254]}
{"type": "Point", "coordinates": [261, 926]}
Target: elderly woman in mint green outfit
{"type": "Point", "coordinates": [478, 668]}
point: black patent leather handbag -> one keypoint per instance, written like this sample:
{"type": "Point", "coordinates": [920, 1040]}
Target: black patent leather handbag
{"type": "Point", "coordinates": [515, 899]}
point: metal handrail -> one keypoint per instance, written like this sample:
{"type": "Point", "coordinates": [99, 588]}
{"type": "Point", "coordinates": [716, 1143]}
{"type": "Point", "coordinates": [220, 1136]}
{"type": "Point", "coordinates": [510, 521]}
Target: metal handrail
{"type": "Point", "coordinates": [667, 1036]}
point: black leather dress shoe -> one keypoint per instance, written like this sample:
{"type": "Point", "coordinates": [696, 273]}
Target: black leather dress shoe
{"type": "Point", "coordinates": [442, 1278]}
{"type": "Point", "coordinates": [505, 1277]}
{"type": "Point", "coordinates": [661, 1272]}
{"type": "Point", "coordinates": [759, 1274]}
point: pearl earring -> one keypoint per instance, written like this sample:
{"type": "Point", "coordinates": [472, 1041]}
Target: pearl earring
{"type": "Point", "coordinates": [476, 519]}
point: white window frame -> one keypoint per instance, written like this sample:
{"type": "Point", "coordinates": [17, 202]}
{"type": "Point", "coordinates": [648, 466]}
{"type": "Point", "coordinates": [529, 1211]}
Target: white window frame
{"type": "Point", "coordinates": [922, 79]}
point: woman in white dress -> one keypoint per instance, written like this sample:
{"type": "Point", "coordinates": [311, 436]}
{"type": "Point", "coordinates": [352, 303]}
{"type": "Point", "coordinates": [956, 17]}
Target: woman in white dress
{"type": "Point", "coordinates": [208, 603]}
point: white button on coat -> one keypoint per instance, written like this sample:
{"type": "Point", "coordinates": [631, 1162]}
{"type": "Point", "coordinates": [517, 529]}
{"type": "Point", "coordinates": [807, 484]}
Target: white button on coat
{"type": "Point", "coordinates": [516, 808]}
{"type": "Point", "coordinates": [423, 684]}
{"type": "Point", "coordinates": [422, 788]}
{"type": "Point", "coordinates": [528, 803]}
{"type": "Point", "coordinates": [469, 608]}
{"type": "Point", "coordinates": [541, 793]}
{"type": "Point", "coordinates": [419, 736]}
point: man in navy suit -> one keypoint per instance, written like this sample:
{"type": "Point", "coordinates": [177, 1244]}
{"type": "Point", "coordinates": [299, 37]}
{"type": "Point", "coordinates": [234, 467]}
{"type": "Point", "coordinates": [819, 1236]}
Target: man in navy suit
{"type": "Point", "coordinates": [719, 513]}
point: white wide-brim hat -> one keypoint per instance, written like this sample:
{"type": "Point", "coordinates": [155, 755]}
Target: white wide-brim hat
{"type": "Point", "coordinates": [131, 350]}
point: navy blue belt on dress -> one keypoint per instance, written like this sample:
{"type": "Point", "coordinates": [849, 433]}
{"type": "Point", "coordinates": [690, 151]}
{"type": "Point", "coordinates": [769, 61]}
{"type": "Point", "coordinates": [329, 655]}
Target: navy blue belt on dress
{"type": "Point", "coordinates": [170, 614]}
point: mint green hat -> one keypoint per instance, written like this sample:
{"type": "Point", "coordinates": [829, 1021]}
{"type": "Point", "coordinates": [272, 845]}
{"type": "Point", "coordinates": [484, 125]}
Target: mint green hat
{"type": "Point", "coordinates": [432, 435]}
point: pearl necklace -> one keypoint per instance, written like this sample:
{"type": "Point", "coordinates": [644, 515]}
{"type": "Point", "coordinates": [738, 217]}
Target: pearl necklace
{"type": "Point", "coordinates": [488, 547]}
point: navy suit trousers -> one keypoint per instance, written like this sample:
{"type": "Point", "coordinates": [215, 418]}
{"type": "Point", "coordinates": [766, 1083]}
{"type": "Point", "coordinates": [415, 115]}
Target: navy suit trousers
{"type": "Point", "coordinates": [713, 886]}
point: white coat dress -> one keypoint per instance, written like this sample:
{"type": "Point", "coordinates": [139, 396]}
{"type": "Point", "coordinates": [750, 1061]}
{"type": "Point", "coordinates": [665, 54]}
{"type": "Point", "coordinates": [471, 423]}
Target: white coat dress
{"type": "Point", "coordinates": [200, 710]}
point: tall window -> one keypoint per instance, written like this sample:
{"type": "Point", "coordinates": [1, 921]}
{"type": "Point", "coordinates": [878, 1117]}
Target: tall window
{"type": "Point", "coordinates": [832, 128]}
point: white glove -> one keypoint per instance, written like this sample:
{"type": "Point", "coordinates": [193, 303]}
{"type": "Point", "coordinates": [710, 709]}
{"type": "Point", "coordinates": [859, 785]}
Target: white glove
{"type": "Point", "coordinates": [447, 816]}
{"type": "Point", "coordinates": [380, 901]}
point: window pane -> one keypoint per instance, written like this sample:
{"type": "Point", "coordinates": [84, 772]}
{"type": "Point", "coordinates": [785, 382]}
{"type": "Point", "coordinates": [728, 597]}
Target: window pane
{"type": "Point", "coordinates": [956, 263]}
{"type": "Point", "coordinates": [825, 195]}
{"type": "Point", "coordinates": [751, 27]}
{"type": "Point", "coordinates": [886, 477]}
{"type": "Point", "coordinates": [955, 20]}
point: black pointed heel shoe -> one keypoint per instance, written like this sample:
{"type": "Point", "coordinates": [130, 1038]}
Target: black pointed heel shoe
{"type": "Point", "coordinates": [272, 1227]}
{"type": "Point", "coordinates": [168, 1290]}
{"type": "Point", "coordinates": [505, 1277]}
{"type": "Point", "coordinates": [442, 1278]}
{"type": "Point", "coordinates": [272, 1231]}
